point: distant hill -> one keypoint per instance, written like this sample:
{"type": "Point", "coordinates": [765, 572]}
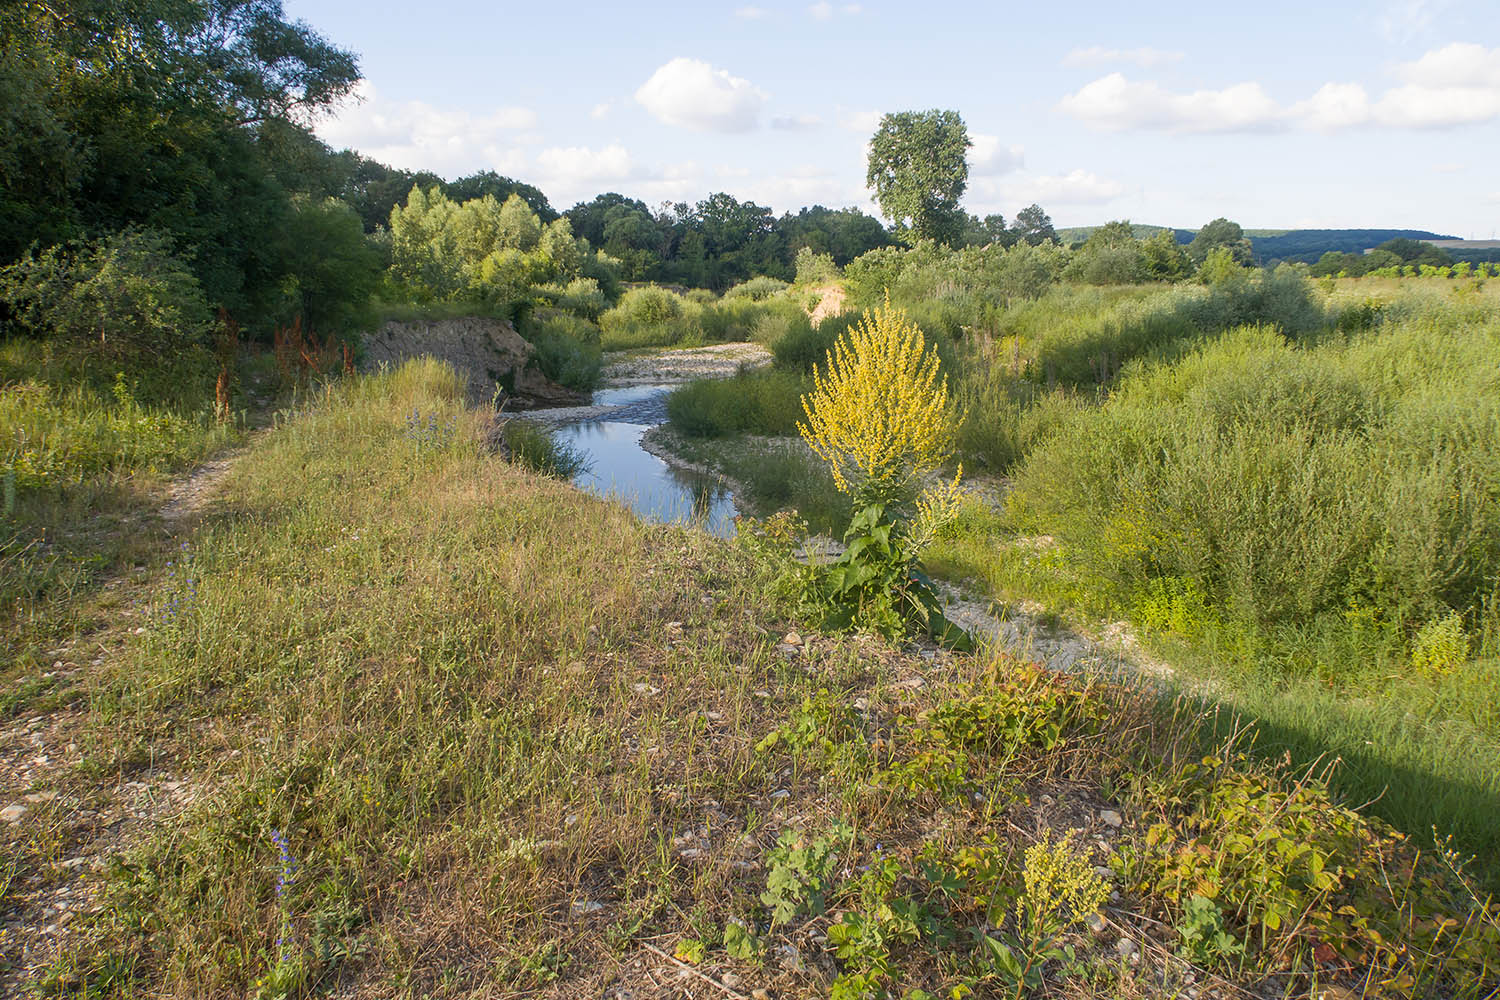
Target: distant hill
{"type": "Point", "coordinates": [1295, 244]}
{"type": "Point", "coordinates": [1310, 244]}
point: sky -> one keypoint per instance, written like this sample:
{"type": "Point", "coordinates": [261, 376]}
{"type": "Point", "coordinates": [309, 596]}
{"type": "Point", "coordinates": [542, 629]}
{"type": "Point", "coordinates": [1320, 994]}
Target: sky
{"type": "Point", "coordinates": [1279, 115]}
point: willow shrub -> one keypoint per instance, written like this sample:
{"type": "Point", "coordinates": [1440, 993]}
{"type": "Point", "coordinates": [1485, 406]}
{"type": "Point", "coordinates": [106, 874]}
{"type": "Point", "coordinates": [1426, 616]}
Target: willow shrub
{"type": "Point", "coordinates": [1355, 479]}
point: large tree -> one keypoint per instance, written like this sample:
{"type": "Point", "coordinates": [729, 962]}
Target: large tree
{"type": "Point", "coordinates": [159, 113]}
{"type": "Point", "coordinates": [1222, 233]}
{"type": "Point", "coordinates": [1033, 226]}
{"type": "Point", "coordinates": [919, 168]}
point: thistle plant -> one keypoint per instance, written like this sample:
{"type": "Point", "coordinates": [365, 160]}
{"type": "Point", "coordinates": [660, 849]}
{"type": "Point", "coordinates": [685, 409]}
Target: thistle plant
{"type": "Point", "coordinates": [879, 415]}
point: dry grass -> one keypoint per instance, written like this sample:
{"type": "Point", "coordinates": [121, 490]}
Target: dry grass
{"type": "Point", "coordinates": [512, 738]}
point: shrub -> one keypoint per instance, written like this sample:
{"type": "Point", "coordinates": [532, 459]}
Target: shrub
{"type": "Point", "coordinates": [757, 289]}
{"type": "Point", "coordinates": [815, 268]}
{"type": "Point", "coordinates": [1441, 644]}
{"type": "Point", "coordinates": [1287, 483]}
{"type": "Point", "coordinates": [534, 446]}
{"type": "Point", "coordinates": [760, 402]}
{"type": "Point", "coordinates": [125, 298]}
{"type": "Point", "coordinates": [584, 297]}
{"type": "Point", "coordinates": [647, 306]}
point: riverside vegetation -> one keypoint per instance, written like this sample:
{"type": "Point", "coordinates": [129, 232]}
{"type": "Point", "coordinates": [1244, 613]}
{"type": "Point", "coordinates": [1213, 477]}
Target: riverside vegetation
{"type": "Point", "coordinates": [423, 770]}
{"type": "Point", "coordinates": [418, 768]}
{"type": "Point", "coordinates": [377, 704]}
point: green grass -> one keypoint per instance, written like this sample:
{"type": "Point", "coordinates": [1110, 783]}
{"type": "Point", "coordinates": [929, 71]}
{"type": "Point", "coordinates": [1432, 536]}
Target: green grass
{"type": "Point", "coordinates": [80, 452]}
{"type": "Point", "coordinates": [512, 739]}
{"type": "Point", "coordinates": [1287, 518]}
{"type": "Point", "coordinates": [754, 402]}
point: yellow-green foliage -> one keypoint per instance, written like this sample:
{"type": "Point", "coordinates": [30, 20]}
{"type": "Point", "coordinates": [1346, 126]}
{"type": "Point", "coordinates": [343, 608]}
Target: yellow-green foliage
{"type": "Point", "coordinates": [879, 407]}
{"type": "Point", "coordinates": [1059, 883]}
{"type": "Point", "coordinates": [54, 436]}
{"type": "Point", "coordinates": [1441, 644]}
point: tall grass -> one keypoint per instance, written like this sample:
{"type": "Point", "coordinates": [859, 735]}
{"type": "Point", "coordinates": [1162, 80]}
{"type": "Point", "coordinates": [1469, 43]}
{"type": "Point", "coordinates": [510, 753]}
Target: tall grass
{"type": "Point", "coordinates": [658, 317]}
{"type": "Point", "coordinates": [754, 402]}
{"type": "Point", "coordinates": [77, 445]}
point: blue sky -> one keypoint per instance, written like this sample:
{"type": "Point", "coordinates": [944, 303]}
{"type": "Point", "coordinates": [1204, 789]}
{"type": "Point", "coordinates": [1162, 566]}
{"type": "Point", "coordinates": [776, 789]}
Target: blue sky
{"type": "Point", "coordinates": [1275, 114]}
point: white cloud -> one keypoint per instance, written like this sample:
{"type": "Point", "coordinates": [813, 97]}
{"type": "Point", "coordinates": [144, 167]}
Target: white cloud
{"type": "Point", "coordinates": [1113, 102]}
{"type": "Point", "coordinates": [988, 156]}
{"type": "Point", "coordinates": [692, 94]}
{"type": "Point", "coordinates": [581, 163]}
{"type": "Point", "coordinates": [1402, 19]}
{"type": "Point", "coordinates": [1458, 84]}
{"type": "Point", "coordinates": [1077, 187]}
{"type": "Point", "coordinates": [751, 13]}
{"type": "Point", "coordinates": [796, 123]}
{"type": "Point", "coordinates": [1461, 64]}
{"type": "Point", "coordinates": [602, 109]}
{"type": "Point", "coordinates": [1098, 55]}
{"type": "Point", "coordinates": [1072, 190]}
{"type": "Point", "coordinates": [862, 121]}
{"type": "Point", "coordinates": [414, 135]}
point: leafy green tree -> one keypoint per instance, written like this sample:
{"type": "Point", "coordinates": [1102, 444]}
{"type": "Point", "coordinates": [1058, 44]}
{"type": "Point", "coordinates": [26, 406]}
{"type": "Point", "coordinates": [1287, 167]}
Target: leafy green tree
{"type": "Point", "coordinates": [1033, 226]}
{"type": "Point", "coordinates": [160, 114]}
{"type": "Point", "coordinates": [332, 267]}
{"type": "Point", "coordinates": [1164, 258]}
{"type": "Point", "coordinates": [118, 299]}
{"type": "Point", "coordinates": [1221, 233]}
{"type": "Point", "coordinates": [517, 226]}
{"type": "Point", "coordinates": [500, 188]}
{"type": "Point", "coordinates": [919, 169]}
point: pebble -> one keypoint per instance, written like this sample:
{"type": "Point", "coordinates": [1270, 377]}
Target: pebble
{"type": "Point", "coordinates": [582, 906]}
{"type": "Point", "coordinates": [730, 980]}
{"type": "Point", "coordinates": [1126, 948]}
{"type": "Point", "coordinates": [12, 813]}
{"type": "Point", "coordinates": [781, 793]}
{"type": "Point", "coordinates": [1111, 818]}
{"type": "Point", "coordinates": [1095, 923]}
{"type": "Point", "coordinates": [791, 639]}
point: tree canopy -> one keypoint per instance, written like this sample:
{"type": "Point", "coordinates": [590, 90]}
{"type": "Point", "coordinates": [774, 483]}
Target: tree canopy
{"type": "Point", "coordinates": [919, 169]}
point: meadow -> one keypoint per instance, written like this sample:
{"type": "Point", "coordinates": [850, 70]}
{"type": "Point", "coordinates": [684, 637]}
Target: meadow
{"type": "Point", "coordinates": [1286, 489]}
{"type": "Point", "coordinates": [422, 739]}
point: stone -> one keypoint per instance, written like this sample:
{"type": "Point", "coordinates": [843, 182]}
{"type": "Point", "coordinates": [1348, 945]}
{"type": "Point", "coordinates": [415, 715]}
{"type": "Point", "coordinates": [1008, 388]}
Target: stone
{"type": "Point", "coordinates": [1126, 948]}
{"type": "Point", "coordinates": [12, 813]}
{"type": "Point", "coordinates": [1111, 818]}
{"type": "Point", "coordinates": [730, 980]}
{"type": "Point", "coordinates": [586, 906]}
{"type": "Point", "coordinates": [792, 639]}
{"type": "Point", "coordinates": [1095, 923]}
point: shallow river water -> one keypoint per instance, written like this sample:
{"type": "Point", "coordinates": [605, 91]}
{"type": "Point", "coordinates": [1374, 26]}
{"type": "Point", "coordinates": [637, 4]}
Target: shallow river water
{"type": "Point", "coordinates": [619, 468]}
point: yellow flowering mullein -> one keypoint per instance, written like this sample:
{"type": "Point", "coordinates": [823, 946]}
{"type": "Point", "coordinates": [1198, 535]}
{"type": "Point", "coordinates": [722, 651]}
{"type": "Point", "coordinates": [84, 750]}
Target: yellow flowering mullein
{"type": "Point", "coordinates": [879, 416]}
{"type": "Point", "coordinates": [879, 407]}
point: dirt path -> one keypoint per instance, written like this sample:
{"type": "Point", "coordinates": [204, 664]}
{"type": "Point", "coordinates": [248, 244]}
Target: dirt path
{"type": "Point", "coordinates": [60, 824]}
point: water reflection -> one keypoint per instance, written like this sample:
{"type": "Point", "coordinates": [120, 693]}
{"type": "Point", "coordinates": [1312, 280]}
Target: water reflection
{"type": "Point", "coordinates": [620, 468]}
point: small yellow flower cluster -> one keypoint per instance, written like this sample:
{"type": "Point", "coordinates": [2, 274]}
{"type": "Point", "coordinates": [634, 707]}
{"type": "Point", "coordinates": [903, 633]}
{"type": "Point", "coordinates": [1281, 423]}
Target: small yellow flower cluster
{"type": "Point", "coordinates": [936, 507]}
{"type": "Point", "coordinates": [879, 407]}
{"type": "Point", "coordinates": [1059, 879]}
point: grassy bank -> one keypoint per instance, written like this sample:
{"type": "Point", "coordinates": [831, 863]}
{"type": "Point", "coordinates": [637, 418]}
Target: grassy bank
{"type": "Point", "coordinates": [1300, 513]}
{"type": "Point", "coordinates": [82, 452]}
{"type": "Point", "coordinates": [438, 743]}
